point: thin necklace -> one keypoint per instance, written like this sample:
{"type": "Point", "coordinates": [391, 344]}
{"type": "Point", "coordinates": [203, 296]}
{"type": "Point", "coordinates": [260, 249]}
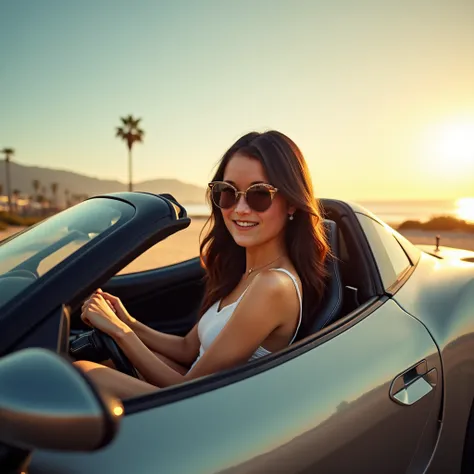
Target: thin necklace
{"type": "Point", "coordinates": [252, 269]}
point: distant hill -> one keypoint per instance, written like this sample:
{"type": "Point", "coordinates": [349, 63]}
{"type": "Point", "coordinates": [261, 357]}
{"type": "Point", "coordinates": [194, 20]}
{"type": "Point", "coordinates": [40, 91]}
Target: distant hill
{"type": "Point", "coordinates": [22, 178]}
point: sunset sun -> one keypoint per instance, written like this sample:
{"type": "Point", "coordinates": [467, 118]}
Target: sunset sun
{"type": "Point", "coordinates": [465, 209]}
{"type": "Point", "coordinates": [455, 143]}
{"type": "Point", "coordinates": [448, 148]}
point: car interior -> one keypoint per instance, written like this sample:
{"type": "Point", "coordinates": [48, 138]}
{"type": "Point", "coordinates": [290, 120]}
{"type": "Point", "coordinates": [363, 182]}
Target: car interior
{"type": "Point", "coordinates": [155, 297]}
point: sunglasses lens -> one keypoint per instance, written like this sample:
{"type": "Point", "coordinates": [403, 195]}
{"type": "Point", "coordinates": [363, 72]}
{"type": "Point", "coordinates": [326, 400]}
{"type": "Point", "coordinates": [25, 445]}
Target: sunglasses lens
{"type": "Point", "coordinates": [259, 198]}
{"type": "Point", "coordinates": [223, 195]}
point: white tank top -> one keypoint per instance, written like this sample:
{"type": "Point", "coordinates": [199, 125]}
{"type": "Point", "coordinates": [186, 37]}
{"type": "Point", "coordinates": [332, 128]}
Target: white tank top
{"type": "Point", "coordinates": [214, 320]}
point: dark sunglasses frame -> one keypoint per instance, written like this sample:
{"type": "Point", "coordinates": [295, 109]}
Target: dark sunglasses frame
{"type": "Point", "coordinates": [271, 190]}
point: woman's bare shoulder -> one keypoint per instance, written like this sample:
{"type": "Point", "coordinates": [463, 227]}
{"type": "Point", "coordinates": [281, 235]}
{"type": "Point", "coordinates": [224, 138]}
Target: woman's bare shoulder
{"type": "Point", "coordinates": [280, 279]}
{"type": "Point", "coordinates": [275, 289]}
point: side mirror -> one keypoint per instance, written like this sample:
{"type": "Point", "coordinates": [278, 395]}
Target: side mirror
{"type": "Point", "coordinates": [46, 403]}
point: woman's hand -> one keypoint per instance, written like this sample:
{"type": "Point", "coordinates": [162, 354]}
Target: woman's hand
{"type": "Point", "coordinates": [118, 307]}
{"type": "Point", "coordinates": [96, 312]}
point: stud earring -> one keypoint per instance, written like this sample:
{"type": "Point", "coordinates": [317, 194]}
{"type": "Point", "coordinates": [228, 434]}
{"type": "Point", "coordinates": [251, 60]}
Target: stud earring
{"type": "Point", "coordinates": [291, 217]}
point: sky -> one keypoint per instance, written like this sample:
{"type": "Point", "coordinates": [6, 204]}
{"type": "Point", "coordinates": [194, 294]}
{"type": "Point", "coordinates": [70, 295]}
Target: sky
{"type": "Point", "coordinates": [379, 96]}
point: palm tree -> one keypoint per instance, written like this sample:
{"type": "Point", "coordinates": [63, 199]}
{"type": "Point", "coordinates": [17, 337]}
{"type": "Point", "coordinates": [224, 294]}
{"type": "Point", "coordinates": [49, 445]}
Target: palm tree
{"type": "Point", "coordinates": [36, 186]}
{"type": "Point", "coordinates": [41, 200]}
{"type": "Point", "coordinates": [44, 193]}
{"type": "Point", "coordinates": [16, 194]}
{"type": "Point", "coordinates": [130, 133]}
{"type": "Point", "coordinates": [8, 152]}
{"type": "Point", "coordinates": [54, 191]}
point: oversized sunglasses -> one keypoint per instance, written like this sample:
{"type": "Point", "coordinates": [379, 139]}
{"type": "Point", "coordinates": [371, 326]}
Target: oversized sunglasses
{"type": "Point", "coordinates": [259, 196]}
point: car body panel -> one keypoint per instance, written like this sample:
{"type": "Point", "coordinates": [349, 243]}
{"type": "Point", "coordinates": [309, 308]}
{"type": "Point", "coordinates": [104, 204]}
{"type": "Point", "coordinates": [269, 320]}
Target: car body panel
{"type": "Point", "coordinates": [440, 294]}
{"type": "Point", "coordinates": [321, 405]}
{"type": "Point", "coordinates": [314, 411]}
{"type": "Point", "coordinates": [448, 253]}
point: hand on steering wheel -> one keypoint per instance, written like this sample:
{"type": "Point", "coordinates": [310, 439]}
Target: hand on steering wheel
{"type": "Point", "coordinates": [118, 357]}
{"type": "Point", "coordinates": [96, 312]}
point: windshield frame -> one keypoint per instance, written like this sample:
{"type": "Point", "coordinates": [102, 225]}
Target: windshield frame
{"type": "Point", "coordinates": [35, 315]}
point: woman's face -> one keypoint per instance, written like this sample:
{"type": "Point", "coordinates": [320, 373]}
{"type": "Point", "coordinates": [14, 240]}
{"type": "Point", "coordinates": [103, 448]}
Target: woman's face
{"type": "Point", "coordinates": [242, 171]}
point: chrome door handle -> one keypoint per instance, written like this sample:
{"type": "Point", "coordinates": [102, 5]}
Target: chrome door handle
{"type": "Point", "coordinates": [413, 384]}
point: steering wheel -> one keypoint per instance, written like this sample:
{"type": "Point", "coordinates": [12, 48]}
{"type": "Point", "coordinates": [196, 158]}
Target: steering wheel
{"type": "Point", "coordinates": [97, 346]}
{"type": "Point", "coordinates": [118, 357]}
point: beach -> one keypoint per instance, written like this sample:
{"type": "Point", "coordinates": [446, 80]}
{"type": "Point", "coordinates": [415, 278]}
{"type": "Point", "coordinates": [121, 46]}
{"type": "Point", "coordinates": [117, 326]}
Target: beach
{"type": "Point", "coordinates": [185, 245]}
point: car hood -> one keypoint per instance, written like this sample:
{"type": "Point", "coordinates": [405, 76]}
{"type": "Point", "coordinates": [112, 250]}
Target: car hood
{"type": "Point", "coordinates": [448, 253]}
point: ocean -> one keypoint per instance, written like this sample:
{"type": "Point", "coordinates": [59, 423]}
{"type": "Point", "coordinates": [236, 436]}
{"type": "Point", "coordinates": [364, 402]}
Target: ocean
{"type": "Point", "coordinates": [391, 212]}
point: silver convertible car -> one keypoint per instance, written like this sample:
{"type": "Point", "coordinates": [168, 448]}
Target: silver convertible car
{"type": "Point", "coordinates": [384, 384]}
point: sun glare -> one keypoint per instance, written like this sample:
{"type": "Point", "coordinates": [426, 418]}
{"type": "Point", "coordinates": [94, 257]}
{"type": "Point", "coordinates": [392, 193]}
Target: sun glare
{"type": "Point", "coordinates": [449, 147]}
{"type": "Point", "coordinates": [456, 143]}
{"type": "Point", "coordinates": [465, 209]}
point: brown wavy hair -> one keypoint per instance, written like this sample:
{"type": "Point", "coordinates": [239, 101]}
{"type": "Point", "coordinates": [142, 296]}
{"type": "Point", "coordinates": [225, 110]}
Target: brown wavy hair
{"type": "Point", "coordinates": [306, 244]}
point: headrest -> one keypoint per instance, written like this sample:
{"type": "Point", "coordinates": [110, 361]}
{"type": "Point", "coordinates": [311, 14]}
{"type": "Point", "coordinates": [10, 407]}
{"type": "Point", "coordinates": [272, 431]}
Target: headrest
{"type": "Point", "coordinates": [332, 300]}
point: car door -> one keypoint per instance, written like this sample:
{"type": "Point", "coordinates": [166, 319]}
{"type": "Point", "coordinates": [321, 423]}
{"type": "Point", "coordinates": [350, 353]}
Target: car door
{"type": "Point", "coordinates": [358, 400]}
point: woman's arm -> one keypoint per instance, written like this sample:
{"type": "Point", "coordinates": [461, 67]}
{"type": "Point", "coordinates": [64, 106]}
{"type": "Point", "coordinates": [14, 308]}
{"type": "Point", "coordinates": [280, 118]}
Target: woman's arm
{"type": "Point", "coordinates": [153, 370]}
{"type": "Point", "coordinates": [98, 313]}
{"type": "Point", "coordinates": [183, 350]}
{"type": "Point", "coordinates": [266, 306]}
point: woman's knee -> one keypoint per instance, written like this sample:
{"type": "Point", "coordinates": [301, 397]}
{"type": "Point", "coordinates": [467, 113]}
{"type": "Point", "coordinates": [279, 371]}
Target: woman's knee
{"type": "Point", "coordinates": [86, 365]}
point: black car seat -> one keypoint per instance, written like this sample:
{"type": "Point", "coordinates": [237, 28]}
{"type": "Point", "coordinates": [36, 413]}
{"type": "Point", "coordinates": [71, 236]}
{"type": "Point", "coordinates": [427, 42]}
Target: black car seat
{"type": "Point", "coordinates": [331, 303]}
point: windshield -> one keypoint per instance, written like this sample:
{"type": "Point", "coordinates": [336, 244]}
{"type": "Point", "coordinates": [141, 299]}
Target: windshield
{"type": "Point", "coordinates": [33, 253]}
